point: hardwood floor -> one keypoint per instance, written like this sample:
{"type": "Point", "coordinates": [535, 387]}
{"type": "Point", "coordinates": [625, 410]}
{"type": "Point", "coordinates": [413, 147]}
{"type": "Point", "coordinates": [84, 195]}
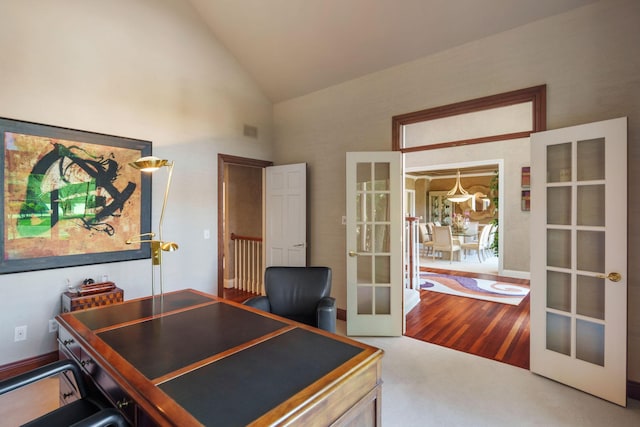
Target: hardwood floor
{"type": "Point", "coordinates": [29, 402]}
{"type": "Point", "coordinates": [492, 330]}
{"type": "Point", "coordinates": [237, 295]}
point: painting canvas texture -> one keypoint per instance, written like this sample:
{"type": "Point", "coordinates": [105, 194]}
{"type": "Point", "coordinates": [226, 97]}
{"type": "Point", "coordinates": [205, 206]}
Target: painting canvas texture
{"type": "Point", "coordinates": [69, 198]}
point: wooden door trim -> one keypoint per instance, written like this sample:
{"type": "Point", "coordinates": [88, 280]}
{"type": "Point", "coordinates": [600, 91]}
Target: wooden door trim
{"type": "Point", "coordinates": [224, 160]}
{"type": "Point", "coordinates": [536, 94]}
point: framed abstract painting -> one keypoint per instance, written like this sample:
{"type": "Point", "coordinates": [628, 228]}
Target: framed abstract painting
{"type": "Point", "coordinates": [70, 197]}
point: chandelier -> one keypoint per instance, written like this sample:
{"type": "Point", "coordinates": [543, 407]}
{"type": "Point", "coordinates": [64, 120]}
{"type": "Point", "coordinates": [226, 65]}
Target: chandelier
{"type": "Point", "coordinates": [458, 194]}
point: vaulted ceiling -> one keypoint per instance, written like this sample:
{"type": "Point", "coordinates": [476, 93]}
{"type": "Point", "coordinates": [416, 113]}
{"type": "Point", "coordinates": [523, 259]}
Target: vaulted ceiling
{"type": "Point", "coordinates": [295, 47]}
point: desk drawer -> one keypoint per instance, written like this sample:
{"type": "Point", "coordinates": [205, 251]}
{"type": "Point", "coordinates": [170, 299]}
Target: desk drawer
{"type": "Point", "coordinates": [109, 387]}
{"type": "Point", "coordinates": [68, 343]}
{"type": "Point", "coordinates": [106, 385]}
{"type": "Point", "coordinates": [68, 389]}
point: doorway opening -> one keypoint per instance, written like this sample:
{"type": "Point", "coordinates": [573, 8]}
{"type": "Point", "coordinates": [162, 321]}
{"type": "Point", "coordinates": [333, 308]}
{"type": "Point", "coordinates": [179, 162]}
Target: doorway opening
{"type": "Point", "coordinates": [430, 186]}
{"type": "Point", "coordinates": [447, 137]}
{"type": "Point", "coordinates": [488, 329]}
{"type": "Point", "coordinates": [240, 213]}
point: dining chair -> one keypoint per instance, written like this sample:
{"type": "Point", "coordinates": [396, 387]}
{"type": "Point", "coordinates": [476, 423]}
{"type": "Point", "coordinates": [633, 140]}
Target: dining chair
{"type": "Point", "coordinates": [472, 230]}
{"type": "Point", "coordinates": [479, 245]}
{"type": "Point", "coordinates": [490, 237]}
{"type": "Point", "coordinates": [443, 241]}
{"type": "Point", "coordinates": [426, 241]}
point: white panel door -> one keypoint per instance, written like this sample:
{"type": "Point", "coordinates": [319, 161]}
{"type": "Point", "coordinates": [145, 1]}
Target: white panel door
{"type": "Point", "coordinates": [286, 215]}
{"type": "Point", "coordinates": [374, 244]}
{"type": "Point", "coordinates": [579, 257]}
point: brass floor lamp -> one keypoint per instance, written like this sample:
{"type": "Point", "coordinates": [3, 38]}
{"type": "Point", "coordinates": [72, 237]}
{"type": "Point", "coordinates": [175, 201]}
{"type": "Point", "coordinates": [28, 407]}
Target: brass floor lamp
{"type": "Point", "coordinates": [150, 164]}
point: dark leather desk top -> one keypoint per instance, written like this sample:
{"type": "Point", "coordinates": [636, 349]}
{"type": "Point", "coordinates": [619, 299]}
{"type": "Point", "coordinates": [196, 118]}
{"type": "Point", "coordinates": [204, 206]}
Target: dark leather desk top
{"type": "Point", "coordinates": [159, 346]}
{"type": "Point", "coordinates": [224, 364]}
{"type": "Point", "coordinates": [139, 309]}
{"type": "Point", "coordinates": [238, 389]}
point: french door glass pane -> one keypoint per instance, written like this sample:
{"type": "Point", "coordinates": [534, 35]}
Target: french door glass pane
{"type": "Point", "coordinates": [383, 300]}
{"type": "Point", "coordinates": [559, 205]}
{"type": "Point", "coordinates": [381, 210]}
{"type": "Point", "coordinates": [382, 176]}
{"type": "Point", "coordinates": [590, 250]}
{"type": "Point", "coordinates": [559, 162]}
{"type": "Point", "coordinates": [559, 291]}
{"type": "Point", "coordinates": [590, 162]}
{"type": "Point", "coordinates": [365, 300]}
{"type": "Point", "coordinates": [382, 238]}
{"type": "Point", "coordinates": [363, 234]}
{"type": "Point", "coordinates": [590, 342]}
{"type": "Point", "coordinates": [559, 248]}
{"type": "Point", "coordinates": [363, 177]}
{"type": "Point", "coordinates": [364, 269]}
{"type": "Point", "coordinates": [590, 296]}
{"type": "Point", "coordinates": [559, 333]}
{"type": "Point", "coordinates": [383, 270]}
{"type": "Point", "coordinates": [591, 205]}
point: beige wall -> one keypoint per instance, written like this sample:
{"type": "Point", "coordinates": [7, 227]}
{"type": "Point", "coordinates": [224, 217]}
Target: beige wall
{"type": "Point", "coordinates": [146, 69]}
{"type": "Point", "coordinates": [589, 59]}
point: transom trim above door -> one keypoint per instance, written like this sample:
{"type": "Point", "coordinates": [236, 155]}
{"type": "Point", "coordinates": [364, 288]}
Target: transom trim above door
{"type": "Point", "coordinates": [500, 117]}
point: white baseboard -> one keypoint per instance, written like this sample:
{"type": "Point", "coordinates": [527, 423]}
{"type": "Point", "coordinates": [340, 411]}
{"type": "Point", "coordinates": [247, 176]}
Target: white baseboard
{"type": "Point", "coordinates": [517, 274]}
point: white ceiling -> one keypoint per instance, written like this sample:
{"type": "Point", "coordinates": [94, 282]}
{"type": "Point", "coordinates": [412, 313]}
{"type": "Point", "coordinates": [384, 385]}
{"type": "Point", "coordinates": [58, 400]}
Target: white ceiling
{"type": "Point", "coordinates": [295, 47]}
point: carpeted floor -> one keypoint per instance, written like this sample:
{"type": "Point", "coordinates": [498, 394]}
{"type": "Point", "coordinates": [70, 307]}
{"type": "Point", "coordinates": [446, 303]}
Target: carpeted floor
{"type": "Point", "coordinates": [487, 290]}
{"type": "Point", "coordinates": [427, 385]}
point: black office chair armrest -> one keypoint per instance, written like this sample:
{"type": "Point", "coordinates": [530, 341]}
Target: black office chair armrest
{"type": "Point", "coordinates": [109, 417]}
{"type": "Point", "coordinates": [42, 373]}
{"type": "Point", "coordinates": [261, 303]}
{"type": "Point", "coordinates": [327, 314]}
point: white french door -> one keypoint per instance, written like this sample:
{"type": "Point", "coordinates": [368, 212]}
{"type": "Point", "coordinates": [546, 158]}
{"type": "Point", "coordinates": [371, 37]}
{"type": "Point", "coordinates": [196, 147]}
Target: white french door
{"type": "Point", "coordinates": [579, 257]}
{"type": "Point", "coordinates": [374, 244]}
{"type": "Point", "coordinates": [286, 215]}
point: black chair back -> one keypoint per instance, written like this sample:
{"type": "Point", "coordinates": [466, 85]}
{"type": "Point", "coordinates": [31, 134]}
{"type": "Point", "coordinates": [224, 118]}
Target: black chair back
{"type": "Point", "coordinates": [295, 291]}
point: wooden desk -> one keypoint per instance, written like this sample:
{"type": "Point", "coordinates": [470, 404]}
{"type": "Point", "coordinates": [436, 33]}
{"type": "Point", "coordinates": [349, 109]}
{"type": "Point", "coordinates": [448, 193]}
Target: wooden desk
{"type": "Point", "coordinates": [190, 359]}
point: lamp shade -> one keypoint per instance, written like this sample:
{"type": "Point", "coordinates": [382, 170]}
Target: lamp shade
{"type": "Point", "coordinates": [149, 163]}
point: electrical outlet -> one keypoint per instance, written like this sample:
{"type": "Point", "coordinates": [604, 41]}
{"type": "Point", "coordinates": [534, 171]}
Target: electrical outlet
{"type": "Point", "coordinates": [20, 333]}
{"type": "Point", "coordinates": [53, 326]}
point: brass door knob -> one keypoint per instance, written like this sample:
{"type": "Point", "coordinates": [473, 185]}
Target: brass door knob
{"type": "Point", "coordinates": [353, 253]}
{"type": "Point", "coordinates": [614, 277]}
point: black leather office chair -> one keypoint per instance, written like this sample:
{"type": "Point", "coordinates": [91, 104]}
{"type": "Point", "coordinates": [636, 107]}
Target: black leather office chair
{"type": "Point", "coordinates": [300, 294]}
{"type": "Point", "coordinates": [84, 412]}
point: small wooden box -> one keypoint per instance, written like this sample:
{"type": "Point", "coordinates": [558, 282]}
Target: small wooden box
{"type": "Point", "coordinates": [71, 301]}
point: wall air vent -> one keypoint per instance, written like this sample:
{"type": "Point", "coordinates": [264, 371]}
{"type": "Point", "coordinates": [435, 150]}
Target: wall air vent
{"type": "Point", "coordinates": [250, 131]}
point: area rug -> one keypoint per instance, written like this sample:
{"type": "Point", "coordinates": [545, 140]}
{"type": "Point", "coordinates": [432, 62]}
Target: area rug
{"type": "Point", "coordinates": [487, 290]}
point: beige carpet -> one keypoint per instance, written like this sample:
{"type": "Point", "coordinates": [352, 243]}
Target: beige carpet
{"type": "Point", "coordinates": [427, 385]}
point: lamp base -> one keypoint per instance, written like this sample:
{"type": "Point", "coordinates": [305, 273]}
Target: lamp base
{"type": "Point", "coordinates": [156, 252]}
